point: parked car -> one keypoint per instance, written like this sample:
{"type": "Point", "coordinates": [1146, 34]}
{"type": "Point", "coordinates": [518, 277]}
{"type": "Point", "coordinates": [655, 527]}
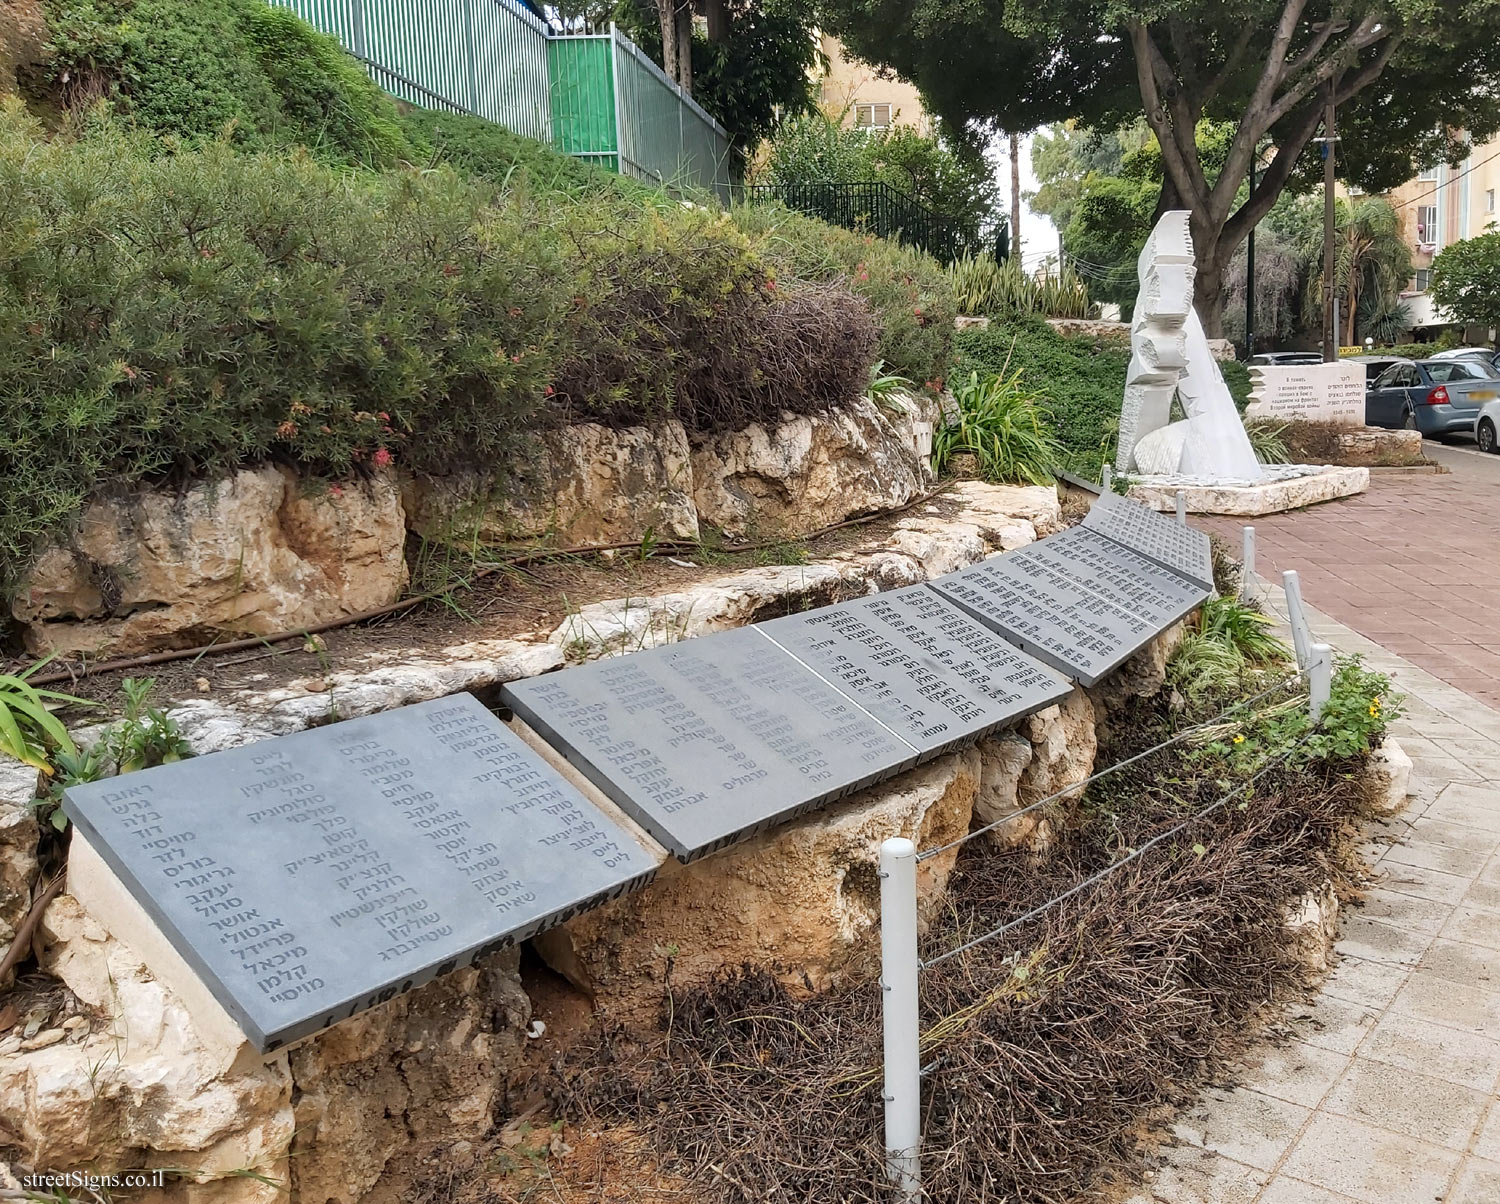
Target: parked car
{"type": "Point", "coordinates": [1275, 359]}
{"type": "Point", "coordinates": [1436, 397]}
{"type": "Point", "coordinates": [1375, 366]}
{"type": "Point", "coordinates": [1486, 425]}
{"type": "Point", "coordinates": [1462, 353]}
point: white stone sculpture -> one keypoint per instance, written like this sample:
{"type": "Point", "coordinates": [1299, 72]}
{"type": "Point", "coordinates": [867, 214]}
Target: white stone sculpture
{"type": "Point", "coordinates": [1170, 356]}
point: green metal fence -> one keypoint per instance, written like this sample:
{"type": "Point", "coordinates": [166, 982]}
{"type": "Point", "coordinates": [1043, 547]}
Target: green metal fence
{"type": "Point", "coordinates": [593, 95]}
{"type": "Point", "coordinates": [486, 57]}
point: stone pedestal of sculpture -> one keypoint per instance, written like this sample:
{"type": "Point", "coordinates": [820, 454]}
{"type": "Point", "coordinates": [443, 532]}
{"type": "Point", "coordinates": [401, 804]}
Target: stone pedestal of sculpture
{"type": "Point", "coordinates": [1206, 454]}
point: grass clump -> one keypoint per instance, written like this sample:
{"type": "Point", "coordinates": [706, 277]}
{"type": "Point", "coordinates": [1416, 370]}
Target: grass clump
{"type": "Point", "coordinates": [984, 287]}
{"type": "Point", "coordinates": [1001, 425]}
{"type": "Point", "coordinates": [1224, 645]}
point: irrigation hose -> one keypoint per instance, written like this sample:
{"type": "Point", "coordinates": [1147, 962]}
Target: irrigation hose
{"type": "Point", "coordinates": [518, 560]}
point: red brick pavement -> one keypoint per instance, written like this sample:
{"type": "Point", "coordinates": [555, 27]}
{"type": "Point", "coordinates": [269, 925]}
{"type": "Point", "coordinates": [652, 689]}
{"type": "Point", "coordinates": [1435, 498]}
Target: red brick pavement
{"type": "Point", "coordinates": [1411, 564]}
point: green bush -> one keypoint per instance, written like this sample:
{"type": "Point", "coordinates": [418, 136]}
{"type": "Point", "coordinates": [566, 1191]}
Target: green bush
{"type": "Point", "coordinates": [198, 71]}
{"type": "Point", "coordinates": [908, 290]}
{"type": "Point", "coordinates": [675, 313]}
{"type": "Point", "coordinates": [180, 315]}
{"type": "Point", "coordinates": [188, 313]}
{"type": "Point", "coordinates": [1080, 380]}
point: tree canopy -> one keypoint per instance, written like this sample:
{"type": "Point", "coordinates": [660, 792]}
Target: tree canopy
{"type": "Point", "coordinates": [1466, 280]}
{"type": "Point", "coordinates": [1414, 81]}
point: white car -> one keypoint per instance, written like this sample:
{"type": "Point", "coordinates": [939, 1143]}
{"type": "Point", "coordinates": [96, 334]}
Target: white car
{"type": "Point", "coordinates": [1485, 426]}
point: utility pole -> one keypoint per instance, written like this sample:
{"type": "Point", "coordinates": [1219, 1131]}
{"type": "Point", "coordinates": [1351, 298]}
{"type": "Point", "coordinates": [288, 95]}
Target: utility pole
{"type": "Point", "coordinates": [1250, 270]}
{"type": "Point", "coordinates": [1330, 228]}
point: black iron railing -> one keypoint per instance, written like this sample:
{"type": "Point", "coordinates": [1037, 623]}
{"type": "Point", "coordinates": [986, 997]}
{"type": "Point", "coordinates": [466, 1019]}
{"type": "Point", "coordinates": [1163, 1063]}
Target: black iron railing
{"type": "Point", "coordinates": [872, 206]}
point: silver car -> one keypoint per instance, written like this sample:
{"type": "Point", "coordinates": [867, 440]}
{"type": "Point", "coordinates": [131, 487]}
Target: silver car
{"type": "Point", "coordinates": [1485, 426]}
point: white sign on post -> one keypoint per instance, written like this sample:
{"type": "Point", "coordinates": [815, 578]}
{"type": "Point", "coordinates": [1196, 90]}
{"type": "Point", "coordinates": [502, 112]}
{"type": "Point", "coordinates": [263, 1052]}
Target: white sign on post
{"type": "Point", "coordinates": [1309, 392]}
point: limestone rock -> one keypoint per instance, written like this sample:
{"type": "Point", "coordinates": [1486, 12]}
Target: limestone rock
{"type": "Point", "coordinates": [1247, 499]}
{"type": "Point", "coordinates": [807, 472]}
{"type": "Point", "coordinates": [1064, 741]}
{"type": "Point", "coordinates": [1389, 777]}
{"type": "Point", "coordinates": [1002, 760]}
{"type": "Point", "coordinates": [147, 1084]}
{"type": "Point", "coordinates": [1311, 925]}
{"type": "Point", "coordinates": [589, 485]}
{"type": "Point", "coordinates": [628, 624]}
{"type": "Point", "coordinates": [1090, 328]}
{"type": "Point", "coordinates": [803, 900]}
{"type": "Point", "coordinates": [18, 841]}
{"type": "Point", "coordinates": [996, 508]}
{"type": "Point", "coordinates": [1141, 676]}
{"type": "Point", "coordinates": [430, 1063]}
{"type": "Point", "coordinates": [254, 554]}
{"type": "Point", "coordinates": [970, 322]}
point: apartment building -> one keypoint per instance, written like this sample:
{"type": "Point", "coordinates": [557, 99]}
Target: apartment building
{"type": "Point", "coordinates": [1441, 206]}
{"type": "Point", "coordinates": [867, 97]}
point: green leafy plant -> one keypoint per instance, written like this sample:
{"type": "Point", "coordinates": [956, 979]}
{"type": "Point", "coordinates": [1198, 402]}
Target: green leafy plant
{"type": "Point", "coordinates": [145, 736]}
{"type": "Point", "coordinates": [1227, 640]}
{"type": "Point", "coordinates": [986, 288]}
{"type": "Point", "coordinates": [72, 769]}
{"type": "Point", "coordinates": [1002, 426]}
{"type": "Point", "coordinates": [1268, 440]}
{"type": "Point", "coordinates": [29, 731]}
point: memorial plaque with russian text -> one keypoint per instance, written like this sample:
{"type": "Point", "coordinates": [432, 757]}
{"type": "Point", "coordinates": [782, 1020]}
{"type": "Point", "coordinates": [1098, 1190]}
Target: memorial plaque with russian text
{"type": "Point", "coordinates": [710, 740]}
{"type": "Point", "coordinates": [1155, 536]}
{"type": "Point", "coordinates": [1049, 614]}
{"type": "Point", "coordinates": [1116, 573]}
{"type": "Point", "coordinates": [309, 877]}
{"type": "Point", "coordinates": [919, 664]}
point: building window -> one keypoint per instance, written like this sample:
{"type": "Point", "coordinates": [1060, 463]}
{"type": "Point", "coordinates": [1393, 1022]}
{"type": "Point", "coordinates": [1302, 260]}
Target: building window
{"type": "Point", "coordinates": [1424, 279]}
{"type": "Point", "coordinates": [1427, 225]}
{"type": "Point", "coordinates": [872, 117]}
{"type": "Point", "coordinates": [1489, 201]}
{"type": "Point", "coordinates": [1429, 173]}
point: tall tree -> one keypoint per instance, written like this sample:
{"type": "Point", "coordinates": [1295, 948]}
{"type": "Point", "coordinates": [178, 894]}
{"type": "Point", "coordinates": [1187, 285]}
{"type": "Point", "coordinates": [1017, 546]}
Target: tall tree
{"type": "Point", "coordinates": [1413, 81]}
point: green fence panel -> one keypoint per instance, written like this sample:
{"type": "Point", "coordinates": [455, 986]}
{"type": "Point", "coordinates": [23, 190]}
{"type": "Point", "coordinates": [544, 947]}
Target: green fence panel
{"type": "Point", "coordinates": [666, 136]}
{"type": "Point", "coordinates": [485, 57]}
{"type": "Point", "coordinates": [585, 118]}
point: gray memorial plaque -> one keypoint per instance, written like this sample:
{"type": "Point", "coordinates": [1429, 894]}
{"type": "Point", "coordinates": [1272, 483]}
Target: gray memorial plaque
{"type": "Point", "coordinates": [919, 664]}
{"type": "Point", "coordinates": [310, 877]}
{"type": "Point", "coordinates": [1050, 615]}
{"type": "Point", "coordinates": [1155, 536]}
{"type": "Point", "coordinates": [710, 740]}
{"type": "Point", "coordinates": [1116, 574]}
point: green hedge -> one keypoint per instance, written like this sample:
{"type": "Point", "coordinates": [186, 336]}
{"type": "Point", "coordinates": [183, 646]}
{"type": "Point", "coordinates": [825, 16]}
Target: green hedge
{"type": "Point", "coordinates": [181, 314]}
{"type": "Point", "coordinates": [1080, 380]}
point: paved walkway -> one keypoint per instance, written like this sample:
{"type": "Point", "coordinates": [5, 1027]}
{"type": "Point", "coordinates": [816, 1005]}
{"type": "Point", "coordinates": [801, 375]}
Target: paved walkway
{"type": "Point", "coordinates": [1409, 564]}
{"type": "Point", "coordinates": [1386, 1092]}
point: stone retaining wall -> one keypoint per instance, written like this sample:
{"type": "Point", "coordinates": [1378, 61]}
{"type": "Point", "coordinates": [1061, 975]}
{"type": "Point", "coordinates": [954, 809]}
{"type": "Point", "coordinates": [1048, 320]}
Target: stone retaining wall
{"type": "Point", "coordinates": [264, 551]}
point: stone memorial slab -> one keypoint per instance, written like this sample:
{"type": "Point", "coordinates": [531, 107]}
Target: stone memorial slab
{"type": "Point", "coordinates": [1184, 550]}
{"type": "Point", "coordinates": [1117, 574]}
{"type": "Point", "coordinates": [919, 664]}
{"type": "Point", "coordinates": [1049, 614]}
{"type": "Point", "coordinates": [711, 740]}
{"type": "Point", "coordinates": [1309, 392]}
{"type": "Point", "coordinates": [309, 877]}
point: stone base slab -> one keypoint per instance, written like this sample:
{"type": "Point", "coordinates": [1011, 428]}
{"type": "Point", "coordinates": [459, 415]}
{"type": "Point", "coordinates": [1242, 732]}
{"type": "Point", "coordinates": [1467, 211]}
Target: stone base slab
{"type": "Point", "coordinates": [1246, 500]}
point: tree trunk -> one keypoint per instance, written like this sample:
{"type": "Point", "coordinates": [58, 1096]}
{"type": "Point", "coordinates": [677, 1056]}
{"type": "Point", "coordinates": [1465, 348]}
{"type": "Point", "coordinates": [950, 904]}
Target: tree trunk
{"type": "Point", "coordinates": [1209, 292]}
{"type": "Point", "coordinates": [1015, 198]}
{"type": "Point", "coordinates": [676, 20]}
{"type": "Point", "coordinates": [685, 45]}
{"type": "Point", "coordinates": [716, 14]}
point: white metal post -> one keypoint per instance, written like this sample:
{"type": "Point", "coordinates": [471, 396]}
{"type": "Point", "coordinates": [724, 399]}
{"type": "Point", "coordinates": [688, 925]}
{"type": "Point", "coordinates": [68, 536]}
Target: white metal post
{"type": "Point", "coordinates": [1301, 635]}
{"type": "Point", "coordinates": [1182, 507]}
{"type": "Point", "coordinates": [898, 986]}
{"type": "Point", "coordinates": [1247, 565]}
{"type": "Point", "coordinates": [1320, 680]}
{"type": "Point", "coordinates": [1106, 477]}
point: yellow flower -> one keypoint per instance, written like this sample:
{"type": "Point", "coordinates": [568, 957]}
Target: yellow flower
{"type": "Point", "coordinates": [1239, 739]}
